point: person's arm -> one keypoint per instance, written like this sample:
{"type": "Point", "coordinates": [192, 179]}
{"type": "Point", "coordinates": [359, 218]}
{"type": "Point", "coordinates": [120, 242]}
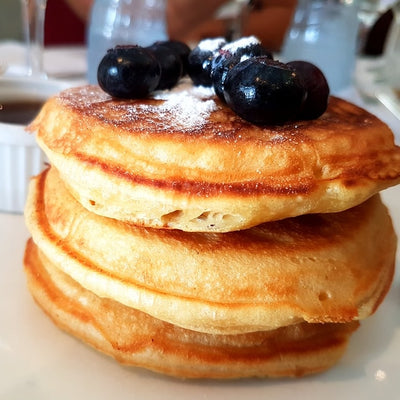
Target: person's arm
{"type": "Point", "coordinates": [184, 16]}
{"type": "Point", "coordinates": [269, 21]}
{"type": "Point", "coordinates": [193, 20]}
{"type": "Point", "coordinates": [81, 8]}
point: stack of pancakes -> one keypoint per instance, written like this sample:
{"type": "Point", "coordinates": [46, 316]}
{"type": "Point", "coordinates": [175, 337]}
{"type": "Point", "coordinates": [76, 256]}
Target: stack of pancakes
{"type": "Point", "coordinates": [173, 235]}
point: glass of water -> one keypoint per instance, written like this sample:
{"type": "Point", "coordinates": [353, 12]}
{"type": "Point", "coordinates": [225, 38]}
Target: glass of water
{"type": "Point", "coordinates": [33, 14]}
{"type": "Point", "coordinates": [324, 32]}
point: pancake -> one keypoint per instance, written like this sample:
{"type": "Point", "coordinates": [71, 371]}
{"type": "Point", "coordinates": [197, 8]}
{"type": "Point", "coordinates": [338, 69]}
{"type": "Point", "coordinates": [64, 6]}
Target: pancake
{"type": "Point", "coordinates": [183, 160]}
{"type": "Point", "coordinates": [316, 268]}
{"type": "Point", "coordinates": [135, 338]}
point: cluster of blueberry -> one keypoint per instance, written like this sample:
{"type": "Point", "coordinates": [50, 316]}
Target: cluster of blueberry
{"type": "Point", "coordinates": [133, 72]}
{"type": "Point", "coordinates": [243, 74]}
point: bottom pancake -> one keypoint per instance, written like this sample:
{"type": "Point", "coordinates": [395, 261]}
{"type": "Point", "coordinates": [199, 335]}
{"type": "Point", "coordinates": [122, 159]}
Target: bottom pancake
{"type": "Point", "coordinates": [135, 338]}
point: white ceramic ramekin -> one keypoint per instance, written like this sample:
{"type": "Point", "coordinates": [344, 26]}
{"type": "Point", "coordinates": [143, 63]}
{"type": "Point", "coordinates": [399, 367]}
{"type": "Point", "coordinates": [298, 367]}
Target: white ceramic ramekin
{"type": "Point", "coordinates": [20, 156]}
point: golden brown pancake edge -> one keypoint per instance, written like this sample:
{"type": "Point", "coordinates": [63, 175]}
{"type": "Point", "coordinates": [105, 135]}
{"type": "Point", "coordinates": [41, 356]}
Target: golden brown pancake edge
{"type": "Point", "coordinates": [130, 161]}
{"type": "Point", "coordinates": [146, 342]}
{"type": "Point", "coordinates": [318, 268]}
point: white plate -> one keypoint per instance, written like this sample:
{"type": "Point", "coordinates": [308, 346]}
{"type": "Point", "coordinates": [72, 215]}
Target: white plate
{"type": "Point", "coordinates": [38, 361]}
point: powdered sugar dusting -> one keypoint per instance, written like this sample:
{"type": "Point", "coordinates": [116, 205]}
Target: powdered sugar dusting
{"type": "Point", "coordinates": [186, 106]}
{"type": "Point", "coordinates": [185, 87]}
{"type": "Point", "coordinates": [211, 44]}
{"type": "Point", "coordinates": [241, 44]}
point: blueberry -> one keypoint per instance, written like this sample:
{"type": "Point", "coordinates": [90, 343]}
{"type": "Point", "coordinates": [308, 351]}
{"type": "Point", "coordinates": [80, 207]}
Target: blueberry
{"type": "Point", "coordinates": [230, 55]}
{"type": "Point", "coordinates": [264, 91]}
{"type": "Point", "coordinates": [316, 86]}
{"type": "Point", "coordinates": [170, 63]}
{"type": "Point", "coordinates": [181, 49]}
{"type": "Point", "coordinates": [128, 72]}
{"type": "Point", "coordinates": [200, 58]}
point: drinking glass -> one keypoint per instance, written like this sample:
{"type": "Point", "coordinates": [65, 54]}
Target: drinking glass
{"type": "Point", "coordinates": [33, 14]}
{"type": "Point", "coordinates": [324, 32]}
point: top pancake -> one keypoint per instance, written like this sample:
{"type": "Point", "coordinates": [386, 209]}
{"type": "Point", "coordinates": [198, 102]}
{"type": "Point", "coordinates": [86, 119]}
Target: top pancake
{"type": "Point", "coordinates": [183, 160]}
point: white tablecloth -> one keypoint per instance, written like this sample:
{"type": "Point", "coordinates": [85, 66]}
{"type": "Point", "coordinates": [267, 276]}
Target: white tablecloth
{"type": "Point", "coordinates": [67, 62]}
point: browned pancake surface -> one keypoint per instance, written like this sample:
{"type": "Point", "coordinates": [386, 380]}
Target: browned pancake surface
{"type": "Point", "coordinates": [135, 338]}
{"type": "Point", "coordinates": [190, 163]}
{"type": "Point", "coordinates": [318, 268]}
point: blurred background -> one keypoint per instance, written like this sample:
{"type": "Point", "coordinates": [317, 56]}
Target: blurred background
{"type": "Point", "coordinates": [62, 26]}
{"type": "Point", "coordinates": [10, 20]}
